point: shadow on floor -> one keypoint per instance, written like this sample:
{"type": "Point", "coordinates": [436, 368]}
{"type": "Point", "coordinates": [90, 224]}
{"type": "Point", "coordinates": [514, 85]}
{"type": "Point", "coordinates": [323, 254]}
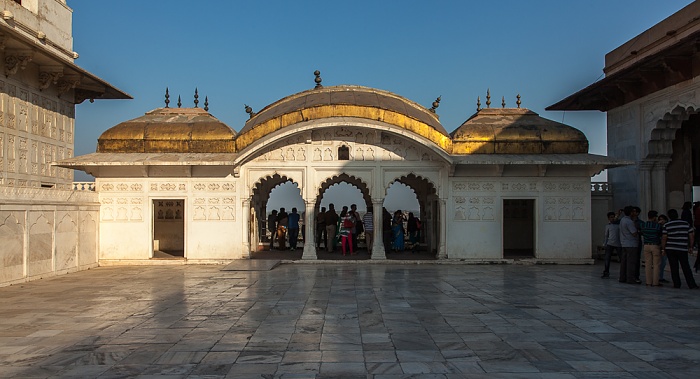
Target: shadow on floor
{"type": "Point", "coordinates": [322, 254]}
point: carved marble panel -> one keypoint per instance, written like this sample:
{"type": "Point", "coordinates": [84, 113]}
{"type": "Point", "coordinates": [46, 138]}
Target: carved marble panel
{"type": "Point", "coordinates": [168, 186]}
{"type": "Point", "coordinates": [214, 187]}
{"type": "Point", "coordinates": [214, 209]}
{"type": "Point", "coordinates": [474, 208]}
{"type": "Point", "coordinates": [66, 242]}
{"type": "Point", "coordinates": [39, 252]}
{"type": "Point", "coordinates": [564, 208]}
{"type": "Point", "coordinates": [122, 209]}
{"type": "Point", "coordinates": [88, 240]}
{"type": "Point", "coordinates": [12, 242]}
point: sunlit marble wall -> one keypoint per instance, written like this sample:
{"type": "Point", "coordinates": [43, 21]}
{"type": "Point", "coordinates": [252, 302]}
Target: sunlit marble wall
{"type": "Point", "coordinates": [45, 232]}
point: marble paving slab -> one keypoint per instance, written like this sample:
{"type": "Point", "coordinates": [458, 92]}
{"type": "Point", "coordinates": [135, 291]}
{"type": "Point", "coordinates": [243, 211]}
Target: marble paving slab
{"type": "Point", "coordinates": [252, 265]}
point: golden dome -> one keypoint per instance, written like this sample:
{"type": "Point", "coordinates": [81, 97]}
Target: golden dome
{"type": "Point", "coordinates": [344, 101]}
{"type": "Point", "coordinates": [515, 131]}
{"type": "Point", "coordinates": [169, 130]}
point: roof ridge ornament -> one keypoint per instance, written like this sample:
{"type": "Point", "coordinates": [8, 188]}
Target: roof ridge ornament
{"type": "Point", "coordinates": [436, 104]}
{"type": "Point", "coordinates": [518, 102]}
{"type": "Point", "coordinates": [503, 102]}
{"type": "Point", "coordinates": [206, 103]}
{"type": "Point", "coordinates": [196, 97]}
{"type": "Point", "coordinates": [179, 102]}
{"type": "Point", "coordinates": [167, 98]}
{"type": "Point", "coordinates": [318, 79]}
{"type": "Point", "coordinates": [249, 110]}
{"type": "Point", "coordinates": [478, 103]}
{"type": "Point", "coordinates": [488, 98]}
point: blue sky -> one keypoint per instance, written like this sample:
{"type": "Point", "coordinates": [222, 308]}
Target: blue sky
{"type": "Point", "coordinates": [256, 52]}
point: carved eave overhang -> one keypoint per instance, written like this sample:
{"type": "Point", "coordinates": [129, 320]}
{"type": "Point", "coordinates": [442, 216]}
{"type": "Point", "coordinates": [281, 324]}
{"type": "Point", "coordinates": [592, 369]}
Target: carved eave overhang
{"type": "Point", "coordinates": [592, 163]}
{"type": "Point", "coordinates": [54, 67]}
{"type": "Point", "coordinates": [140, 162]}
{"type": "Point", "coordinates": [675, 64]}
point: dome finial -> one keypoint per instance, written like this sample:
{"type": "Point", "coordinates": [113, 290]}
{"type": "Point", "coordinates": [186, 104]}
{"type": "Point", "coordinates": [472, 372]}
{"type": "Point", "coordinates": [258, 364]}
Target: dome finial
{"type": "Point", "coordinates": [503, 101]}
{"type": "Point", "coordinates": [167, 97]}
{"type": "Point", "coordinates": [206, 103]}
{"type": "Point", "coordinates": [488, 98]}
{"type": "Point", "coordinates": [478, 103]}
{"type": "Point", "coordinates": [318, 79]}
{"type": "Point", "coordinates": [196, 97]}
{"type": "Point", "coordinates": [518, 102]}
{"type": "Point", "coordinates": [436, 104]}
{"type": "Point", "coordinates": [179, 102]}
{"type": "Point", "coordinates": [249, 110]}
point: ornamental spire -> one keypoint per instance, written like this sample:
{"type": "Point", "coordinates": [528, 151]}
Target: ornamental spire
{"type": "Point", "coordinates": [318, 79]}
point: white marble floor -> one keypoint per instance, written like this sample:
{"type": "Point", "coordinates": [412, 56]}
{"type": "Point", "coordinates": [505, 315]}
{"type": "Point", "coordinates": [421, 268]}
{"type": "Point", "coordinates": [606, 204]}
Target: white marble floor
{"type": "Point", "coordinates": [343, 321]}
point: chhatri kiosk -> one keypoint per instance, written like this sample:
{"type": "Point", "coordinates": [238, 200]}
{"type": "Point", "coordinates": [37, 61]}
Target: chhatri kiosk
{"type": "Point", "coordinates": [507, 183]}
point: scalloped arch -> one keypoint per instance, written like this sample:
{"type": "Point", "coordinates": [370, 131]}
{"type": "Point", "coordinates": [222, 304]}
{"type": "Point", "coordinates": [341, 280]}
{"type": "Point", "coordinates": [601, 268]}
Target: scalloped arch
{"type": "Point", "coordinates": [257, 187]}
{"type": "Point", "coordinates": [413, 181]}
{"type": "Point", "coordinates": [661, 137]}
{"type": "Point", "coordinates": [340, 178]}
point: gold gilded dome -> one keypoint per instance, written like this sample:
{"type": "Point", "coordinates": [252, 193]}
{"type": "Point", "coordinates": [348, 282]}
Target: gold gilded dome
{"type": "Point", "coordinates": [515, 131]}
{"type": "Point", "coordinates": [344, 101]}
{"type": "Point", "coordinates": [169, 130]}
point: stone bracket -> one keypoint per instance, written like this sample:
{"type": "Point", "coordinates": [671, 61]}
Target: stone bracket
{"type": "Point", "coordinates": [16, 59]}
{"type": "Point", "coordinates": [48, 75]}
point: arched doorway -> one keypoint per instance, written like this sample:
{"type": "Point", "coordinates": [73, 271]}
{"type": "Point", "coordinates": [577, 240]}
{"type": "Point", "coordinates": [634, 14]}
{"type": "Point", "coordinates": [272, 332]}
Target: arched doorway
{"type": "Point", "coordinates": [347, 184]}
{"type": "Point", "coordinates": [428, 206]}
{"type": "Point", "coordinates": [262, 191]}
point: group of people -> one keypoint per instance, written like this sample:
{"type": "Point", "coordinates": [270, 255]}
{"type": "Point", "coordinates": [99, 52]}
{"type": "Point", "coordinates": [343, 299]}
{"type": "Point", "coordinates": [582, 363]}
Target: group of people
{"type": "Point", "coordinates": [661, 239]}
{"type": "Point", "coordinates": [332, 228]}
{"type": "Point", "coordinates": [344, 228]}
{"type": "Point", "coordinates": [283, 225]}
{"type": "Point", "coordinates": [398, 232]}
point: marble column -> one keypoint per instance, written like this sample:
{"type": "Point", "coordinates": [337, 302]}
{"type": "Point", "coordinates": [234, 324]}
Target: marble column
{"type": "Point", "coordinates": [309, 223]}
{"type": "Point", "coordinates": [247, 243]}
{"type": "Point", "coordinates": [378, 251]}
{"type": "Point", "coordinates": [658, 186]}
{"type": "Point", "coordinates": [442, 248]}
{"type": "Point", "coordinates": [644, 180]}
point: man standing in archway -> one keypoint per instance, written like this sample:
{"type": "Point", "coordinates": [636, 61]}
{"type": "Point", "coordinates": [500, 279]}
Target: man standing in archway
{"type": "Point", "coordinates": [293, 229]}
{"type": "Point", "coordinates": [272, 228]}
{"type": "Point", "coordinates": [331, 218]}
{"type": "Point", "coordinates": [321, 228]}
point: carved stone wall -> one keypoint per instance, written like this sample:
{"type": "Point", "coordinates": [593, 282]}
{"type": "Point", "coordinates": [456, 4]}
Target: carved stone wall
{"type": "Point", "coordinates": [45, 232]}
{"type": "Point", "coordinates": [205, 208]}
{"type": "Point", "coordinates": [561, 216]}
{"type": "Point", "coordinates": [36, 128]}
{"type": "Point", "coordinates": [362, 146]}
{"type": "Point", "coordinates": [470, 204]}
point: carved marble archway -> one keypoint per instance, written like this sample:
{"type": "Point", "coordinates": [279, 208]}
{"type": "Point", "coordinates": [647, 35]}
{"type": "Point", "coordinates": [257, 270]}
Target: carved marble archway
{"type": "Point", "coordinates": [653, 166]}
{"type": "Point", "coordinates": [340, 178]}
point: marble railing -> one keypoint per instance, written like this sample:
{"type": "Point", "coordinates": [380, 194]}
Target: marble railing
{"type": "Point", "coordinates": [600, 187]}
{"type": "Point", "coordinates": [83, 186]}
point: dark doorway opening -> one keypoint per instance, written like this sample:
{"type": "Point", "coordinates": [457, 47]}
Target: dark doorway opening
{"type": "Point", "coordinates": [518, 228]}
{"type": "Point", "coordinates": [169, 228]}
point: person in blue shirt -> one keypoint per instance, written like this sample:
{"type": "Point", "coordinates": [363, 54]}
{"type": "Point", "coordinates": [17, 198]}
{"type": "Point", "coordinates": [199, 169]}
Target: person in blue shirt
{"type": "Point", "coordinates": [293, 229]}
